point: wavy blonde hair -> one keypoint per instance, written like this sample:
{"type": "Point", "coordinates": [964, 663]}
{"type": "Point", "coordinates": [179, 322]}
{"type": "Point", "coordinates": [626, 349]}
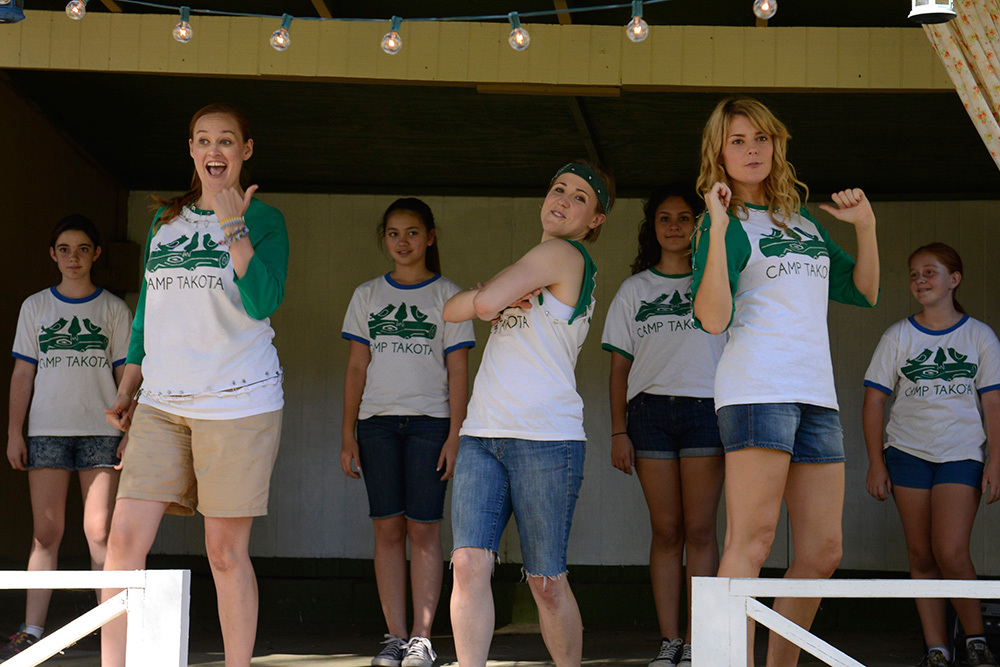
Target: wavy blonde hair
{"type": "Point", "coordinates": [784, 192]}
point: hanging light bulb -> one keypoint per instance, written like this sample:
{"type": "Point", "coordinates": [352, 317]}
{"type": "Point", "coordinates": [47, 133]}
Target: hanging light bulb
{"type": "Point", "coordinates": [519, 38]}
{"type": "Point", "coordinates": [280, 39]}
{"type": "Point", "coordinates": [76, 9]}
{"type": "Point", "coordinates": [932, 11]}
{"type": "Point", "coordinates": [765, 9]}
{"type": "Point", "coordinates": [391, 41]}
{"type": "Point", "coordinates": [182, 31]}
{"type": "Point", "coordinates": [637, 29]}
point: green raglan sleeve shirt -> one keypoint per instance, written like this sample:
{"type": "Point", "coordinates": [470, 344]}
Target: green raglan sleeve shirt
{"type": "Point", "coordinates": [842, 287]}
{"type": "Point", "coordinates": [737, 255]}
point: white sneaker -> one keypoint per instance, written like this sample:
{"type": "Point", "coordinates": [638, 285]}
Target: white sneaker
{"type": "Point", "coordinates": [685, 656]}
{"type": "Point", "coordinates": [419, 653]}
{"type": "Point", "coordinates": [392, 654]}
{"type": "Point", "coordinates": [670, 653]}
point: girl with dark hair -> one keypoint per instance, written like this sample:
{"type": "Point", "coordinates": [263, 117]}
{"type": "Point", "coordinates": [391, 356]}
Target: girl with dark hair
{"type": "Point", "coordinates": [69, 355]}
{"type": "Point", "coordinates": [662, 413]}
{"type": "Point", "coordinates": [205, 376]}
{"type": "Point", "coordinates": [765, 270]}
{"type": "Point", "coordinates": [405, 394]}
{"type": "Point", "coordinates": [944, 369]}
{"type": "Point", "coordinates": [523, 442]}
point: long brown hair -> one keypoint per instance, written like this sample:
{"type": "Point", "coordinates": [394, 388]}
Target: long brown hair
{"type": "Point", "coordinates": [784, 192]}
{"type": "Point", "coordinates": [649, 253]}
{"type": "Point", "coordinates": [173, 206]}
{"type": "Point", "coordinates": [949, 258]}
{"type": "Point", "coordinates": [432, 258]}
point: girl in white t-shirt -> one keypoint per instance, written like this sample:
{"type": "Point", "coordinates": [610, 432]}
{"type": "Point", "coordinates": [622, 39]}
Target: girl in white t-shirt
{"type": "Point", "coordinates": [662, 413]}
{"type": "Point", "coordinates": [765, 270]}
{"type": "Point", "coordinates": [405, 396]}
{"type": "Point", "coordinates": [69, 354]}
{"type": "Point", "coordinates": [523, 441]}
{"type": "Point", "coordinates": [944, 369]}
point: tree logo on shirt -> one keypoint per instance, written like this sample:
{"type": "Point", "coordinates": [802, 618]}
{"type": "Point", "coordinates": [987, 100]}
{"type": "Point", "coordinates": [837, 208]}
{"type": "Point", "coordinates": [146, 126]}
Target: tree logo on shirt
{"type": "Point", "coordinates": [677, 305]}
{"type": "Point", "coordinates": [75, 337]}
{"type": "Point", "coordinates": [922, 367]}
{"type": "Point", "coordinates": [188, 253]}
{"type": "Point", "coordinates": [383, 323]}
{"type": "Point", "coordinates": [776, 244]}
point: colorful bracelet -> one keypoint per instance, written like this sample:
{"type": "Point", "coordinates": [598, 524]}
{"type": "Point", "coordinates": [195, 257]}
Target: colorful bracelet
{"type": "Point", "coordinates": [236, 235]}
{"type": "Point", "coordinates": [231, 222]}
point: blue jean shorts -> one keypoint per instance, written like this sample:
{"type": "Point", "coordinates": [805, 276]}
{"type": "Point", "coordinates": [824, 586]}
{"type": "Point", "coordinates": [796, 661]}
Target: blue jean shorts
{"type": "Point", "coordinates": [913, 472]}
{"type": "Point", "coordinates": [810, 433]}
{"type": "Point", "coordinates": [76, 452]}
{"type": "Point", "coordinates": [670, 427]}
{"type": "Point", "coordinates": [536, 480]}
{"type": "Point", "coordinates": [399, 456]}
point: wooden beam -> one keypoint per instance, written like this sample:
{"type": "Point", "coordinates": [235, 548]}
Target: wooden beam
{"type": "Point", "coordinates": [111, 5]}
{"type": "Point", "coordinates": [564, 18]}
{"type": "Point", "coordinates": [583, 127]}
{"type": "Point", "coordinates": [322, 9]}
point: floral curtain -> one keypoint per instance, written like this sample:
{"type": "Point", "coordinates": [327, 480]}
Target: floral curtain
{"type": "Point", "coordinates": [967, 45]}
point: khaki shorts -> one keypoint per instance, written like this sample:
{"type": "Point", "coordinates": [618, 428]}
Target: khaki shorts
{"type": "Point", "coordinates": [220, 467]}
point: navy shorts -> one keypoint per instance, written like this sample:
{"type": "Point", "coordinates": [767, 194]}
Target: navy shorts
{"type": "Point", "coordinates": [810, 433]}
{"type": "Point", "coordinates": [670, 427]}
{"type": "Point", "coordinates": [74, 452]}
{"type": "Point", "coordinates": [913, 472]}
{"type": "Point", "coordinates": [399, 456]}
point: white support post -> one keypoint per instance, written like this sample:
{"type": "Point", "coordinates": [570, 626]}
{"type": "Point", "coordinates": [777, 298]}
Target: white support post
{"type": "Point", "coordinates": [711, 603]}
{"type": "Point", "coordinates": [158, 620]}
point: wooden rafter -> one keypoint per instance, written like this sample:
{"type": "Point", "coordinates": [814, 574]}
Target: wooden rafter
{"type": "Point", "coordinates": [322, 9]}
{"type": "Point", "coordinates": [111, 5]}
{"type": "Point", "coordinates": [583, 127]}
{"type": "Point", "coordinates": [564, 18]}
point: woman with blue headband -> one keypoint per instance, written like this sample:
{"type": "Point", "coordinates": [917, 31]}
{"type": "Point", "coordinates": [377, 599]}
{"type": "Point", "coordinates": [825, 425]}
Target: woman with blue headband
{"type": "Point", "coordinates": [522, 443]}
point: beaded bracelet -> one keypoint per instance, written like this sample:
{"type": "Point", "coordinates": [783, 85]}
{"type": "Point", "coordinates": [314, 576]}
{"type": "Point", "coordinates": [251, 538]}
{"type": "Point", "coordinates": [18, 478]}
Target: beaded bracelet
{"type": "Point", "coordinates": [233, 237]}
{"type": "Point", "coordinates": [231, 222]}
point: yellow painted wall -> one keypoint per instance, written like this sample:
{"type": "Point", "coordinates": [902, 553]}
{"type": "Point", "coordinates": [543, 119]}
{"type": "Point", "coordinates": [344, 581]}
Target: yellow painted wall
{"type": "Point", "coordinates": [43, 178]}
{"type": "Point", "coordinates": [317, 512]}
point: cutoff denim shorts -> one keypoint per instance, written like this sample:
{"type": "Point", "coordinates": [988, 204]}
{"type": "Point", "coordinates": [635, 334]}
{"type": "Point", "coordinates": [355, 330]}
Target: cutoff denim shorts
{"type": "Point", "coordinates": [77, 452]}
{"type": "Point", "coordinates": [913, 472]}
{"type": "Point", "coordinates": [399, 456]}
{"type": "Point", "coordinates": [670, 427]}
{"type": "Point", "coordinates": [537, 481]}
{"type": "Point", "coordinates": [810, 433]}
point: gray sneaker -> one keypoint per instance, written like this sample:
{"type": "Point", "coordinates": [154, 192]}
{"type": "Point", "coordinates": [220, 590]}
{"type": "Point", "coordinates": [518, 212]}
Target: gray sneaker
{"type": "Point", "coordinates": [670, 653]}
{"type": "Point", "coordinates": [392, 654]}
{"type": "Point", "coordinates": [419, 653]}
{"type": "Point", "coordinates": [685, 656]}
{"type": "Point", "coordinates": [977, 653]}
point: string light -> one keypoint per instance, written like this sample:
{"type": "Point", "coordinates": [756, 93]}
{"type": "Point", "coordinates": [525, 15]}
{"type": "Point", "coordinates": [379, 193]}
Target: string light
{"type": "Point", "coordinates": [182, 31]}
{"type": "Point", "coordinates": [280, 39]}
{"type": "Point", "coordinates": [637, 29]}
{"type": "Point", "coordinates": [765, 9]}
{"type": "Point", "coordinates": [76, 9]}
{"type": "Point", "coordinates": [391, 41]}
{"type": "Point", "coordinates": [519, 38]}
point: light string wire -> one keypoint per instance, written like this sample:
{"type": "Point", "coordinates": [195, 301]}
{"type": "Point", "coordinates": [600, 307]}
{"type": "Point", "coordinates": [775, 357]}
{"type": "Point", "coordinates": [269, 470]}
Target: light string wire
{"type": "Point", "coordinates": [483, 17]}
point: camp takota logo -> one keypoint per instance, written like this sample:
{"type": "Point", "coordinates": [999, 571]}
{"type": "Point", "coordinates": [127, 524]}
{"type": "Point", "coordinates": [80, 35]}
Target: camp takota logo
{"type": "Point", "coordinates": [384, 323]}
{"type": "Point", "coordinates": [799, 242]}
{"type": "Point", "coordinates": [677, 305]}
{"type": "Point", "coordinates": [943, 367]}
{"type": "Point", "coordinates": [59, 336]}
{"type": "Point", "coordinates": [188, 253]}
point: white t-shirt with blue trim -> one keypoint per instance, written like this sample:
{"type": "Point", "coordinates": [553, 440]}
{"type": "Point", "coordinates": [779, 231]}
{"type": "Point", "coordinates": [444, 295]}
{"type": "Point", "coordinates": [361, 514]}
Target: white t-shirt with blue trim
{"type": "Point", "coordinates": [74, 344]}
{"type": "Point", "coordinates": [937, 378]}
{"type": "Point", "coordinates": [404, 327]}
{"type": "Point", "coordinates": [649, 323]}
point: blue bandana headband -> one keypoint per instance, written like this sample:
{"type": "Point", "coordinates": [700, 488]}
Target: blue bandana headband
{"type": "Point", "coordinates": [593, 180]}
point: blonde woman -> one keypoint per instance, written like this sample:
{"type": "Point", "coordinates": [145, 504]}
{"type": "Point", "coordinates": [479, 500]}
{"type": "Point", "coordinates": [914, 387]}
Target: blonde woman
{"type": "Point", "coordinates": [764, 270]}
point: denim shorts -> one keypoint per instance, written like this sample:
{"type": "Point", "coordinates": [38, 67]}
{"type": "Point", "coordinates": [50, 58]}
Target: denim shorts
{"type": "Point", "coordinates": [76, 452]}
{"type": "Point", "coordinates": [536, 480]}
{"type": "Point", "coordinates": [399, 456]}
{"type": "Point", "coordinates": [668, 427]}
{"type": "Point", "coordinates": [810, 433]}
{"type": "Point", "coordinates": [913, 472]}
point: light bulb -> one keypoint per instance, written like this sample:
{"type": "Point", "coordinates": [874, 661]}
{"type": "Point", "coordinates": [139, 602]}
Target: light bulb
{"type": "Point", "coordinates": [183, 32]}
{"type": "Point", "coordinates": [76, 9]}
{"type": "Point", "coordinates": [391, 41]}
{"type": "Point", "coordinates": [637, 29]}
{"type": "Point", "coordinates": [280, 39]}
{"type": "Point", "coordinates": [519, 38]}
{"type": "Point", "coordinates": [765, 9]}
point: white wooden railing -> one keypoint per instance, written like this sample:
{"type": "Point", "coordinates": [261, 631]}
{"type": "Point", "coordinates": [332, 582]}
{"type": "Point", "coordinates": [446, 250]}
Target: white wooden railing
{"type": "Point", "coordinates": [156, 602]}
{"type": "Point", "coordinates": [722, 606]}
